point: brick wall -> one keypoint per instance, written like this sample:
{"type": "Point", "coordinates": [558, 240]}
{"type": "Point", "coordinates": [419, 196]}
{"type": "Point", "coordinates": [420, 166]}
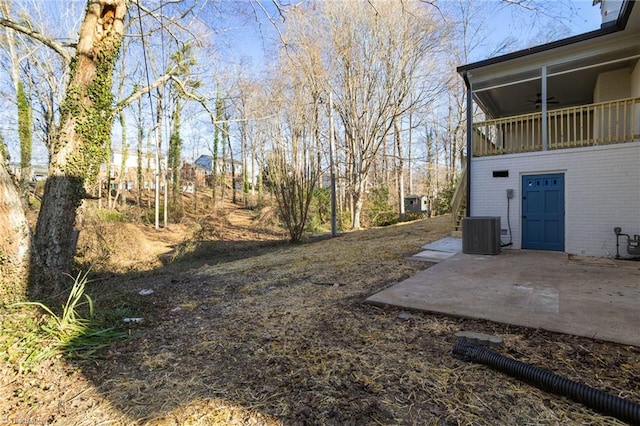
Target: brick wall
{"type": "Point", "coordinates": [602, 191]}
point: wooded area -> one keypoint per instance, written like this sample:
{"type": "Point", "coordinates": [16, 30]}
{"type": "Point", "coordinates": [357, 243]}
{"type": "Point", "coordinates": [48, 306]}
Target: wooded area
{"type": "Point", "coordinates": [159, 157]}
{"type": "Point", "coordinates": [155, 83]}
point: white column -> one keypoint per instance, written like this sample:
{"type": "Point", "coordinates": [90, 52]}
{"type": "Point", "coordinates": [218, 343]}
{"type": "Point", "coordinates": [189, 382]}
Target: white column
{"type": "Point", "coordinates": [544, 109]}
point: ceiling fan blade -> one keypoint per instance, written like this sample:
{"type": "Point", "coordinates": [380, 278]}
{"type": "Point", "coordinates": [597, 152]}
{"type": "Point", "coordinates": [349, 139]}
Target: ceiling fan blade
{"type": "Point", "coordinates": [538, 100]}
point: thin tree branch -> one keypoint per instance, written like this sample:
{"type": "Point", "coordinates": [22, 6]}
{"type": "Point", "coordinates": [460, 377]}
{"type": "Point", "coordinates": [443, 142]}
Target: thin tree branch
{"type": "Point", "coordinates": [138, 93]}
{"type": "Point", "coordinates": [270, 19]}
{"type": "Point", "coordinates": [165, 21]}
{"type": "Point", "coordinates": [49, 42]}
{"type": "Point", "coordinates": [202, 100]}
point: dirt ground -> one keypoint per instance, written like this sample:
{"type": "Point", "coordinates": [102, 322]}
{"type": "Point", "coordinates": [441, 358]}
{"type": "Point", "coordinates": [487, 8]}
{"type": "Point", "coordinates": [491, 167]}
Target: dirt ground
{"type": "Point", "coordinates": [244, 329]}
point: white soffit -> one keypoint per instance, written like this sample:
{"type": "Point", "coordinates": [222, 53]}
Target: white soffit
{"type": "Point", "coordinates": [592, 52]}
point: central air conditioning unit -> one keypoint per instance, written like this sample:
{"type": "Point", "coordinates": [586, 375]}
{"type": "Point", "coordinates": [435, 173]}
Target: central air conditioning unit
{"type": "Point", "coordinates": [481, 235]}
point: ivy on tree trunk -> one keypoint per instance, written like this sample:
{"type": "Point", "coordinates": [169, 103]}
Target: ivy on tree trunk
{"type": "Point", "coordinates": [79, 146]}
{"type": "Point", "coordinates": [25, 125]}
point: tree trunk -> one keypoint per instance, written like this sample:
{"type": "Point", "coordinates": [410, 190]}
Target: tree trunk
{"type": "Point", "coordinates": [233, 166]}
{"type": "Point", "coordinates": [124, 154]}
{"type": "Point", "coordinates": [215, 149]}
{"type": "Point", "coordinates": [358, 200]}
{"type": "Point", "coordinates": [79, 146]}
{"type": "Point", "coordinates": [158, 170]}
{"type": "Point", "coordinates": [410, 154]}
{"type": "Point", "coordinates": [139, 178]}
{"type": "Point", "coordinates": [400, 167]}
{"type": "Point", "coordinates": [174, 163]}
{"type": "Point", "coordinates": [358, 203]}
{"type": "Point", "coordinates": [15, 241]}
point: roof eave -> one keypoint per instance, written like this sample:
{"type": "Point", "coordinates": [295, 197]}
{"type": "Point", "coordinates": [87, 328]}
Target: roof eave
{"type": "Point", "coordinates": [605, 29]}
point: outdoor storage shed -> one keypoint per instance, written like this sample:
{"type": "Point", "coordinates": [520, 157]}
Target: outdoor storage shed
{"type": "Point", "coordinates": [416, 203]}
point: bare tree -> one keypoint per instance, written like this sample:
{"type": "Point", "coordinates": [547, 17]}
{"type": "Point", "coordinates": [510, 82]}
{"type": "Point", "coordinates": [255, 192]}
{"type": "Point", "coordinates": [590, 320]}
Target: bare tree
{"type": "Point", "coordinates": [381, 54]}
{"type": "Point", "coordinates": [375, 58]}
{"type": "Point", "coordinates": [292, 165]}
{"type": "Point", "coordinates": [78, 127]}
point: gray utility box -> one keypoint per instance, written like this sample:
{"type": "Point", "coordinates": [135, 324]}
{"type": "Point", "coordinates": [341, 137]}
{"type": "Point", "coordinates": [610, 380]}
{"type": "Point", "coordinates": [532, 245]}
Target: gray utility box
{"type": "Point", "coordinates": [481, 235]}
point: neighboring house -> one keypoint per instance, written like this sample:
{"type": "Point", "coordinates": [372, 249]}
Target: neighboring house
{"type": "Point", "coordinates": [192, 175]}
{"type": "Point", "coordinates": [556, 153]}
{"type": "Point", "coordinates": [228, 165]}
{"type": "Point", "coordinates": [37, 171]}
{"type": "Point", "coordinates": [124, 168]}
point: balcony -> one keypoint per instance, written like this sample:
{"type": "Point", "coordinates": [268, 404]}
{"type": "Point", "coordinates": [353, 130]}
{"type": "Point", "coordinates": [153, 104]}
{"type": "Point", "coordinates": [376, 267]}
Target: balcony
{"type": "Point", "coordinates": [579, 126]}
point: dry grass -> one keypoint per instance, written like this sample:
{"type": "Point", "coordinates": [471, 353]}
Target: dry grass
{"type": "Point", "coordinates": [274, 334]}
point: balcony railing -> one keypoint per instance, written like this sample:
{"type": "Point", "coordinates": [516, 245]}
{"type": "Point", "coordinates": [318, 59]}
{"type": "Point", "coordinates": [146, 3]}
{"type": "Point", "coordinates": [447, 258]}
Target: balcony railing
{"type": "Point", "coordinates": [585, 125]}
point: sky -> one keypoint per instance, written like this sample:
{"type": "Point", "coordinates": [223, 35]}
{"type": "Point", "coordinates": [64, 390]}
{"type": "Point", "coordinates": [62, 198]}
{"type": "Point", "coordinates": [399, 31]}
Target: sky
{"type": "Point", "coordinates": [508, 20]}
{"type": "Point", "coordinates": [244, 35]}
{"type": "Point", "coordinates": [587, 18]}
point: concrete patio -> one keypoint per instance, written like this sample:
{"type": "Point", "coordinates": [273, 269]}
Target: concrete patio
{"type": "Point", "coordinates": [590, 297]}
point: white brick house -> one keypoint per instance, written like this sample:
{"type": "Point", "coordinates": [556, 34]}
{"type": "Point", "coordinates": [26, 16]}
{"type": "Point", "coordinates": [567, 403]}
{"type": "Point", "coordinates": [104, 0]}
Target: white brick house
{"type": "Point", "coordinates": [123, 169]}
{"type": "Point", "coordinates": [560, 127]}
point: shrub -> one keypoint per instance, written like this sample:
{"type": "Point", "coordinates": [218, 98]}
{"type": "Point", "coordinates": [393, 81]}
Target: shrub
{"type": "Point", "coordinates": [378, 210]}
{"type": "Point", "coordinates": [320, 211]}
{"type": "Point", "coordinates": [442, 201]}
{"type": "Point", "coordinates": [108, 215]}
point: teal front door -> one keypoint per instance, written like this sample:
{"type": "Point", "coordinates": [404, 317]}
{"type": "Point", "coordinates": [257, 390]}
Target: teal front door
{"type": "Point", "coordinates": [543, 212]}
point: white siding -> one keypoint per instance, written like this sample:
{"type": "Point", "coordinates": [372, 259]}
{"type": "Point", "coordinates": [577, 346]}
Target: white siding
{"type": "Point", "coordinates": [131, 160]}
{"type": "Point", "coordinates": [613, 85]}
{"type": "Point", "coordinates": [635, 81]}
{"type": "Point", "coordinates": [602, 191]}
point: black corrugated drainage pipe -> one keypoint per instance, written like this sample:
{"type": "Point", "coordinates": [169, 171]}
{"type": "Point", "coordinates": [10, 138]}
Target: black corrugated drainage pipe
{"type": "Point", "coordinates": [595, 399]}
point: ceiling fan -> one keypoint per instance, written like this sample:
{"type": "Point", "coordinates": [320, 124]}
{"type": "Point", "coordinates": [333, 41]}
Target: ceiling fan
{"type": "Point", "coordinates": [538, 100]}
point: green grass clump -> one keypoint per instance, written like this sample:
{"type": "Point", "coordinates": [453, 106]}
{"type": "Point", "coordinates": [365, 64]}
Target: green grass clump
{"type": "Point", "coordinates": [67, 334]}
